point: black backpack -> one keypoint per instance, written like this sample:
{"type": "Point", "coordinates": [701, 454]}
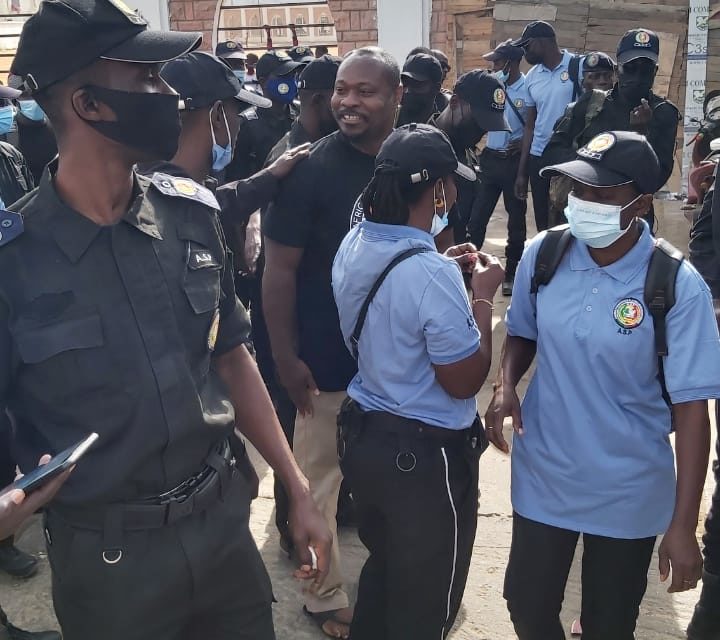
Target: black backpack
{"type": "Point", "coordinates": [659, 293]}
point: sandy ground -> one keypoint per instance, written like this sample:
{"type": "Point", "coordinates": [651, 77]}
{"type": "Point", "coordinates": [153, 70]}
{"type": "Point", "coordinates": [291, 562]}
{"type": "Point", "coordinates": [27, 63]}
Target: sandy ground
{"type": "Point", "coordinates": [483, 616]}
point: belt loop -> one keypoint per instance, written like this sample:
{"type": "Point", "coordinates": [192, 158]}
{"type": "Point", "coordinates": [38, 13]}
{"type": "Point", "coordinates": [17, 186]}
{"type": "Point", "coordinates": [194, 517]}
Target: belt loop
{"type": "Point", "coordinates": [113, 535]}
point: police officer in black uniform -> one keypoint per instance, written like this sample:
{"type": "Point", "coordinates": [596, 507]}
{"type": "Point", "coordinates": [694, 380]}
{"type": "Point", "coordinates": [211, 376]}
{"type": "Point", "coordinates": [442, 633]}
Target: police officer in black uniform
{"type": "Point", "coordinates": [422, 77]}
{"type": "Point", "coordinates": [261, 129]}
{"type": "Point", "coordinates": [121, 318]}
{"type": "Point", "coordinates": [598, 71]}
{"type": "Point", "coordinates": [233, 54]}
{"type": "Point", "coordinates": [630, 106]}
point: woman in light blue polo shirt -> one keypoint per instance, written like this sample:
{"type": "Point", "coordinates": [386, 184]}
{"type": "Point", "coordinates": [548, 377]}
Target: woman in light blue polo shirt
{"type": "Point", "coordinates": [410, 440]}
{"type": "Point", "coordinates": [591, 453]}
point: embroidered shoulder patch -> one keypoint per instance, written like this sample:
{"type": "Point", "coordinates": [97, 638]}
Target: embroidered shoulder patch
{"type": "Point", "coordinates": [11, 226]}
{"type": "Point", "coordinates": [184, 188]}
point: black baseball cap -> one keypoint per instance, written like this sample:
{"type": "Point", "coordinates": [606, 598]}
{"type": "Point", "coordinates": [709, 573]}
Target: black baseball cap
{"type": "Point", "coordinates": [423, 68]}
{"type": "Point", "coordinates": [320, 74]}
{"type": "Point", "coordinates": [275, 63]}
{"type": "Point", "coordinates": [612, 159]}
{"type": "Point", "coordinates": [638, 43]}
{"type": "Point", "coordinates": [202, 79]}
{"type": "Point", "coordinates": [230, 50]}
{"type": "Point", "coordinates": [505, 51]}
{"type": "Point", "coordinates": [301, 54]}
{"type": "Point", "coordinates": [419, 153]}
{"type": "Point", "coordinates": [536, 29]}
{"type": "Point", "coordinates": [65, 36]}
{"type": "Point", "coordinates": [598, 61]}
{"type": "Point", "coordinates": [486, 98]}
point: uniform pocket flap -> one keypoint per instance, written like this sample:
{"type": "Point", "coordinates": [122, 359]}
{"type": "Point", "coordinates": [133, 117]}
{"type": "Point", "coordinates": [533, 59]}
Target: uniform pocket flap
{"type": "Point", "coordinates": [38, 343]}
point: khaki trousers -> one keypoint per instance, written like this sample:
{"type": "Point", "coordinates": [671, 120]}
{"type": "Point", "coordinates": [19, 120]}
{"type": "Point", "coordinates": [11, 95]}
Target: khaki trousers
{"type": "Point", "coordinates": [315, 448]}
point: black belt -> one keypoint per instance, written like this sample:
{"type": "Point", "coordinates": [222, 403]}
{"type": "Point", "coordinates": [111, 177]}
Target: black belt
{"type": "Point", "coordinates": [502, 153]}
{"type": "Point", "coordinates": [385, 422]}
{"type": "Point", "coordinates": [197, 493]}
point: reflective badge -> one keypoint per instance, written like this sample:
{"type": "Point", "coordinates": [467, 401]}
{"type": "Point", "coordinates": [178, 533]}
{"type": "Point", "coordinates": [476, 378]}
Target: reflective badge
{"type": "Point", "coordinates": [642, 39]}
{"type": "Point", "coordinates": [592, 60]}
{"type": "Point", "coordinates": [519, 103]}
{"type": "Point", "coordinates": [598, 146]}
{"type": "Point", "coordinates": [230, 45]}
{"type": "Point", "coordinates": [629, 313]}
{"type": "Point", "coordinates": [186, 187]}
{"type": "Point", "coordinates": [213, 333]}
{"type": "Point", "coordinates": [564, 76]}
{"type": "Point", "coordinates": [11, 226]}
{"type": "Point", "coordinates": [283, 88]}
{"type": "Point", "coordinates": [498, 99]}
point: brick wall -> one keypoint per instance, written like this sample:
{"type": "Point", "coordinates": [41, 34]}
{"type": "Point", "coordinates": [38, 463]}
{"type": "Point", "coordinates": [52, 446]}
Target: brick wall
{"type": "Point", "coordinates": [194, 15]}
{"type": "Point", "coordinates": [355, 23]}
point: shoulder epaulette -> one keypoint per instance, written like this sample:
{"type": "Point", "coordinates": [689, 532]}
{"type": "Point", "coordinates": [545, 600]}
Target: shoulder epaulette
{"type": "Point", "coordinates": [11, 226]}
{"type": "Point", "coordinates": [184, 188]}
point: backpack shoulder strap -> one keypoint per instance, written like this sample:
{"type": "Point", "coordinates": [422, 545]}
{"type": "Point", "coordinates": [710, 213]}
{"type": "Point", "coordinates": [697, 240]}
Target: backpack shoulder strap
{"type": "Point", "coordinates": [355, 337]}
{"type": "Point", "coordinates": [660, 288]}
{"type": "Point", "coordinates": [551, 252]}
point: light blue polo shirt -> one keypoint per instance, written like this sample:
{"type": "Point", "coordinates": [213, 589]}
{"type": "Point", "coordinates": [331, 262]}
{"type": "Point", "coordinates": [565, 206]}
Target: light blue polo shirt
{"type": "Point", "coordinates": [596, 456]}
{"type": "Point", "coordinates": [420, 316]}
{"type": "Point", "coordinates": [550, 92]}
{"type": "Point", "coordinates": [517, 94]}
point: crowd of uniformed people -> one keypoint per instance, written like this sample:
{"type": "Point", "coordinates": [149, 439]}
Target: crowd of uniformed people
{"type": "Point", "coordinates": [201, 249]}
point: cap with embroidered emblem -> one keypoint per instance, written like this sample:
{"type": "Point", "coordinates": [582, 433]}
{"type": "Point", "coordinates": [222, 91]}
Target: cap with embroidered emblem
{"type": "Point", "coordinates": [201, 79]}
{"type": "Point", "coordinates": [275, 63]}
{"type": "Point", "coordinates": [598, 61]}
{"type": "Point", "coordinates": [535, 29]}
{"type": "Point", "coordinates": [420, 153]}
{"type": "Point", "coordinates": [638, 43]}
{"type": "Point", "coordinates": [612, 159]}
{"type": "Point", "coordinates": [486, 98]}
{"type": "Point", "coordinates": [301, 54]}
{"type": "Point", "coordinates": [79, 32]}
{"type": "Point", "coordinates": [505, 51]}
{"type": "Point", "coordinates": [230, 50]}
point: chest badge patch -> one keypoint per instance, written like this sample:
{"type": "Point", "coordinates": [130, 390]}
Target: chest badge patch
{"type": "Point", "coordinates": [564, 76]}
{"type": "Point", "coordinates": [519, 103]}
{"type": "Point", "coordinates": [213, 333]}
{"type": "Point", "coordinates": [629, 313]}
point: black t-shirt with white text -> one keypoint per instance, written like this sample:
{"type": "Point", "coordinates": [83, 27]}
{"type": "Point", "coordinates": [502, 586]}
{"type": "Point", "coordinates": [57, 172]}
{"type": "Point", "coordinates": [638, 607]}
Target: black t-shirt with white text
{"type": "Point", "coordinates": [313, 211]}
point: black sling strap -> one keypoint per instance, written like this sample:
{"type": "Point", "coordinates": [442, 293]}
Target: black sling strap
{"type": "Point", "coordinates": [355, 337]}
{"type": "Point", "coordinates": [515, 109]}
{"type": "Point", "coordinates": [574, 73]}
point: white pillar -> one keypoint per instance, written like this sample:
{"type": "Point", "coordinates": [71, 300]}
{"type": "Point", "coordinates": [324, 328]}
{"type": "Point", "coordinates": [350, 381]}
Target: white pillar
{"type": "Point", "coordinates": [403, 25]}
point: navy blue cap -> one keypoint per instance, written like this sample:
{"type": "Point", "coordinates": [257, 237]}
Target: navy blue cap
{"type": "Point", "coordinates": [638, 43]}
{"type": "Point", "coordinates": [202, 79]}
{"type": "Point", "coordinates": [65, 36]}
{"type": "Point", "coordinates": [536, 29]}
{"type": "Point", "coordinates": [612, 159]}
{"type": "Point", "coordinates": [423, 68]}
{"type": "Point", "coordinates": [301, 54]}
{"type": "Point", "coordinates": [505, 51]}
{"type": "Point", "coordinates": [486, 97]}
{"type": "Point", "coordinates": [598, 61]}
{"type": "Point", "coordinates": [230, 49]}
{"type": "Point", "coordinates": [419, 153]}
{"type": "Point", "coordinates": [275, 63]}
{"type": "Point", "coordinates": [320, 74]}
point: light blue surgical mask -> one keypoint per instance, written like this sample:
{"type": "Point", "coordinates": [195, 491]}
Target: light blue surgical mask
{"type": "Point", "coordinates": [597, 225]}
{"type": "Point", "coordinates": [7, 118]}
{"type": "Point", "coordinates": [221, 155]}
{"type": "Point", "coordinates": [501, 76]}
{"type": "Point", "coordinates": [32, 110]}
{"type": "Point", "coordinates": [439, 223]}
{"type": "Point", "coordinates": [240, 74]}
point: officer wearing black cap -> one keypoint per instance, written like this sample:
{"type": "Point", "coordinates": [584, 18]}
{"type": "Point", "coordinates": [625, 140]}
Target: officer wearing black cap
{"type": "Point", "coordinates": [499, 163]}
{"type": "Point", "coordinates": [127, 325]}
{"type": "Point", "coordinates": [410, 439]}
{"type": "Point", "coordinates": [261, 129]}
{"type": "Point", "coordinates": [599, 382]}
{"type": "Point", "coordinates": [422, 78]}
{"type": "Point", "coordinates": [630, 106]}
{"type": "Point", "coordinates": [598, 71]}
{"type": "Point", "coordinates": [233, 54]}
{"type": "Point", "coordinates": [476, 107]}
{"type": "Point", "coordinates": [301, 54]}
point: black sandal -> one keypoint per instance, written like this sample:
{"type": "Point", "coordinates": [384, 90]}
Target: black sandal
{"type": "Point", "coordinates": [321, 617]}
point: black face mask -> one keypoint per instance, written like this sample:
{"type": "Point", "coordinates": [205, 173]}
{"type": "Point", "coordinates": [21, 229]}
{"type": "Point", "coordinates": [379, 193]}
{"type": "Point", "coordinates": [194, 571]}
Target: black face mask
{"type": "Point", "coordinates": [148, 122]}
{"type": "Point", "coordinates": [417, 103]}
{"type": "Point", "coordinates": [466, 133]}
{"type": "Point", "coordinates": [633, 89]}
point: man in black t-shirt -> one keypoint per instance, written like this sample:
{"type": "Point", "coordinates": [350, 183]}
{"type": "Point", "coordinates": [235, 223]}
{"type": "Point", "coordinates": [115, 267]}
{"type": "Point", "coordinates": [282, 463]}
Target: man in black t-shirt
{"type": "Point", "coordinates": [303, 229]}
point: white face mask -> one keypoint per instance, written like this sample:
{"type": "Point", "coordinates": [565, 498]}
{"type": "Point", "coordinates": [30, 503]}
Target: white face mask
{"type": "Point", "coordinates": [440, 222]}
{"type": "Point", "coordinates": [501, 75]}
{"type": "Point", "coordinates": [595, 224]}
